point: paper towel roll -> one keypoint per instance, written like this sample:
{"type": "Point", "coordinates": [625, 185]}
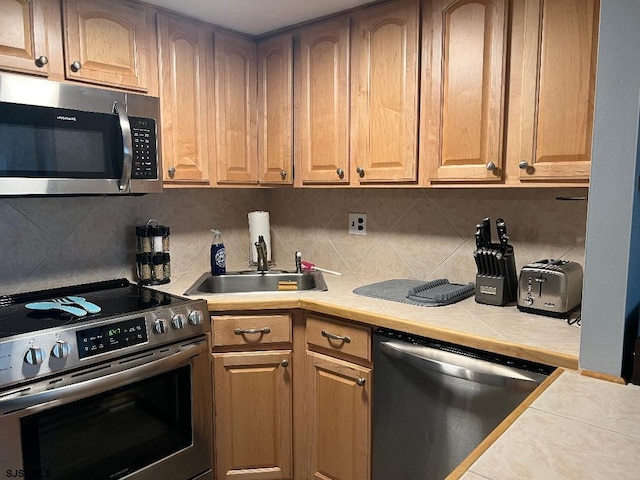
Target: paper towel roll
{"type": "Point", "coordinates": [259, 225]}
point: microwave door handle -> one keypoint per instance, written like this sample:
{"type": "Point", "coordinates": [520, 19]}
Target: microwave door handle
{"type": "Point", "coordinates": [127, 148]}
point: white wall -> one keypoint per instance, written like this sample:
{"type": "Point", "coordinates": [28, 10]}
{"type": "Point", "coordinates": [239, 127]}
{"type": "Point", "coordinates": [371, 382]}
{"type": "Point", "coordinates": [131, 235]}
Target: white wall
{"type": "Point", "coordinates": [612, 265]}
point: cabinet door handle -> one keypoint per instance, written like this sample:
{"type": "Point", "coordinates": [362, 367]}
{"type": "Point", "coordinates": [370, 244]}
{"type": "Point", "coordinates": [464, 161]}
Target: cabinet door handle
{"type": "Point", "coordinates": [523, 165]}
{"type": "Point", "coordinates": [251, 331]}
{"type": "Point", "coordinates": [361, 381]}
{"type": "Point", "coordinates": [285, 363]}
{"type": "Point", "coordinates": [360, 171]}
{"type": "Point", "coordinates": [340, 172]}
{"type": "Point", "coordinates": [332, 336]}
{"type": "Point", "coordinates": [491, 166]}
{"type": "Point", "coordinates": [76, 66]}
{"type": "Point", "coordinates": [41, 61]}
{"type": "Point", "coordinates": [172, 171]}
{"type": "Point", "coordinates": [283, 174]}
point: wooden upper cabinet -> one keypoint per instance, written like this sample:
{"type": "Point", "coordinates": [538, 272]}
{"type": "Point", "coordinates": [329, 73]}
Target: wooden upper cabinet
{"type": "Point", "coordinates": [463, 75]}
{"type": "Point", "coordinates": [23, 41]}
{"type": "Point", "coordinates": [275, 109]}
{"type": "Point", "coordinates": [235, 108]}
{"type": "Point", "coordinates": [185, 48]}
{"type": "Point", "coordinates": [322, 102]}
{"type": "Point", "coordinates": [558, 85]}
{"type": "Point", "coordinates": [107, 42]}
{"type": "Point", "coordinates": [384, 95]}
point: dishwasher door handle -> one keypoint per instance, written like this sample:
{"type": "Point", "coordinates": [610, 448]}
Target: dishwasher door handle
{"type": "Point", "coordinates": [460, 366]}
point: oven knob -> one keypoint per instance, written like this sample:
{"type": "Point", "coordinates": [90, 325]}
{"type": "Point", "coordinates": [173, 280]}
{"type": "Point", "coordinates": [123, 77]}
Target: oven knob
{"type": "Point", "coordinates": [34, 356]}
{"type": "Point", "coordinates": [178, 321]}
{"type": "Point", "coordinates": [195, 317]}
{"type": "Point", "coordinates": [160, 326]}
{"type": "Point", "coordinates": [61, 349]}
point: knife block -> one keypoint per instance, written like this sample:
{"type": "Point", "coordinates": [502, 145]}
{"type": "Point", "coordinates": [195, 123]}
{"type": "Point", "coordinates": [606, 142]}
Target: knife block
{"type": "Point", "coordinates": [500, 289]}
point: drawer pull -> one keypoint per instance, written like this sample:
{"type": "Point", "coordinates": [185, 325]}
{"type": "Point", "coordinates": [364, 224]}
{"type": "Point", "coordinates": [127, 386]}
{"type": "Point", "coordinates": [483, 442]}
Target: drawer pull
{"type": "Point", "coordinates": [360, 382]}
{"type": "Point", "coordinates": [332, 336]}
{"type": "Point", "coordinates": [251, 331]}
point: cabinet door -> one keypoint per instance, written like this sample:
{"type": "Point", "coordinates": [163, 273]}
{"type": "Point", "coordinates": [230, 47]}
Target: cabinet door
{"type": "Point", "coordinates": [384, 93]}
{"type": "Point", "coordinates": [558, 85]}
{"type": "Point", "coordinates": [236, 109]}
{"type": "Point", "coordinates": [338, 419]}
{"type": "Point", "coordinates": [275, 109]}
{"type": "Point", "coordinates": [253, 415]}
{"type": "Point", "coordinates": [463, 90]}
{"type": "Point", "coordinates": [184, 50]}
{"type": "Point", "coordinates": [23, 42]}
{"type": "Point", "coordinates": [322, 103]}
{"type": "Point", "coordinates": [107, 42]}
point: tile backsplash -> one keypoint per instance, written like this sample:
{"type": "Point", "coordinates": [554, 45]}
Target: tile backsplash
{"type": "Point", "coordinates": [411, 233]}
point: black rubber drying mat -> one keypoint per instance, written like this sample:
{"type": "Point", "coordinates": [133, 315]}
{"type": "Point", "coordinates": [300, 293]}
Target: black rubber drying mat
{"type": "Point", "coordinates": [424, 294]}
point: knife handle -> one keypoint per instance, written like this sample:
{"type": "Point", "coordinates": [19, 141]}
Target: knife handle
{"type": "Point", "coordinates": [479, 239]}
{"type": "Point", "coordinates": [502, 266]}
{"type": "Point", "coordinates": [476, 257]}
{"type": "Point", "coordinates": [503, 238]}
{"type": "Point", "coordinates": [486, 231]}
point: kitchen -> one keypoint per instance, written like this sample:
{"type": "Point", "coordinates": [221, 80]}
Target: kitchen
{"type": "Point", "coordinates": [46, 241]}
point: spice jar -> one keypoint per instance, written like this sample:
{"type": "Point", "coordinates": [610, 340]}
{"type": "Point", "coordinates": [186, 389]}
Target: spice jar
{"type": "Point", "coordinates": [153, 263]}
{"type": "Point", "coordinates": [143, 262]}
{"type": "Point", "coordinates": [157, 272]}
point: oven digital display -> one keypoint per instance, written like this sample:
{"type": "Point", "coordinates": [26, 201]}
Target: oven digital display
{"type": "Point", "coordinates": [111, 337]}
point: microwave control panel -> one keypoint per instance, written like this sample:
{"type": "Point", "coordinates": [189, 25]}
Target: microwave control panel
{"type": "Point", "coordinates": [145, 158]}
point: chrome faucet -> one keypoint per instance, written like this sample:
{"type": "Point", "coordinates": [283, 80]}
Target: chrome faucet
{"type": "Point", "coordinates": [261, 247]}
{"type": "Point", "coordinates": [298, 262]}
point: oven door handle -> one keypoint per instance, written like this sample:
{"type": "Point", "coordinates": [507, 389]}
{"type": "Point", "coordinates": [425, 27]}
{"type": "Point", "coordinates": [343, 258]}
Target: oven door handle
{"type": "Point", "coordinates": [99, 382]}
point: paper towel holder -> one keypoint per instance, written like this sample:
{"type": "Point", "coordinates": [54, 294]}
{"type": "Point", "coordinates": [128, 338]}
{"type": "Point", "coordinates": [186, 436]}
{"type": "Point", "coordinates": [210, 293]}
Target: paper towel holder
{"type": "Point", "coordinates": [259, 225]}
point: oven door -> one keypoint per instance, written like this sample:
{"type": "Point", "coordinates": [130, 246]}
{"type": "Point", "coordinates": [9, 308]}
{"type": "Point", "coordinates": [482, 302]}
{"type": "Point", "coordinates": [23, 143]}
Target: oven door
{"type": "Point", "coordinates": [147, 416]}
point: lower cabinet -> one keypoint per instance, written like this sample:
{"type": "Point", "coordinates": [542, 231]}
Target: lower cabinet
{"type": "Point", "coordinates": [252, 415]}
{"type": "Point", "coordinates": [338, 419]}
{"type": "Point", "coordinates": [291, 397]}
{"type": "Point", "coordinates": [337, 400]}
{"type": "Point", "coordinates": [252, 397]}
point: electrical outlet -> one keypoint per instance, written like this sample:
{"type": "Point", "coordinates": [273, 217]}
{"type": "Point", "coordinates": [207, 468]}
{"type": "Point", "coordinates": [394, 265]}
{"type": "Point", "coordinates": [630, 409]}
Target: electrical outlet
{"type": "Point", "coordinates": [358, 223]}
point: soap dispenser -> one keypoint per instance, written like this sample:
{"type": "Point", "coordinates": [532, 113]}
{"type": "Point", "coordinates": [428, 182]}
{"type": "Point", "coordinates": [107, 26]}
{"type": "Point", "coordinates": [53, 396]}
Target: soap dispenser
{"type": "Point", "coordinates": [218, 254]}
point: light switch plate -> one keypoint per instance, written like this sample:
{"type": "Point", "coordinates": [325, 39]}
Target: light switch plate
{"type": "Point", "coordinates": [357, 223]}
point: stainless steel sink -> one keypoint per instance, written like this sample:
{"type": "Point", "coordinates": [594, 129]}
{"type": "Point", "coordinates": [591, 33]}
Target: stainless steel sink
{"type": "Point", "coordinates": [251, 281]}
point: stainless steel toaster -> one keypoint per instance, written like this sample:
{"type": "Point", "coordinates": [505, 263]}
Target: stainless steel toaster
{"type": "Point", "coordinates": [550, 287]}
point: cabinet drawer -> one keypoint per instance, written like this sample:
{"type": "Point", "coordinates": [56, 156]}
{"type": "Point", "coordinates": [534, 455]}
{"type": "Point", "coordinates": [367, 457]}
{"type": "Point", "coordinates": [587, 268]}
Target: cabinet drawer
{"type": "Point", "coordinates": [234, 330]}
{"type": "Point", "coordinates": [339, 337]}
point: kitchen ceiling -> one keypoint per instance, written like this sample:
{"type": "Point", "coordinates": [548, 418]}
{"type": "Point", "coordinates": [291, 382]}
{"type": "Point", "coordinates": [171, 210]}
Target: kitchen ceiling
{"type": "Point", "coordinates": [257, 16]}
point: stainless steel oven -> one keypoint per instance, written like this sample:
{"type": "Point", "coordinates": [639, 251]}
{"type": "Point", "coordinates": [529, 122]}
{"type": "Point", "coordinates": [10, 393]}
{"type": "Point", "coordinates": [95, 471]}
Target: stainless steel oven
{"type": "Point", "coordinates": [104, 396]}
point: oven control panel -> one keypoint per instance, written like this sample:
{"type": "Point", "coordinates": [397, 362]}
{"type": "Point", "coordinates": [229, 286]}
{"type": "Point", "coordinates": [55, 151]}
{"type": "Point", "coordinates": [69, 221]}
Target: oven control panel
{"type": "Point", "coordinates": [45, 352]}
{"type": "Point", "coordinates": [111, 337]}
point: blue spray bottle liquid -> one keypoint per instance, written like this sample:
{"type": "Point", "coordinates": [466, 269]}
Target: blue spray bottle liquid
{"type": "Point", "coordinates": [218, 254]}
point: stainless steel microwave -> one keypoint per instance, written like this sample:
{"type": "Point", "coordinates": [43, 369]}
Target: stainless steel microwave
{"type": "Point", "coordinates": [64, 139]}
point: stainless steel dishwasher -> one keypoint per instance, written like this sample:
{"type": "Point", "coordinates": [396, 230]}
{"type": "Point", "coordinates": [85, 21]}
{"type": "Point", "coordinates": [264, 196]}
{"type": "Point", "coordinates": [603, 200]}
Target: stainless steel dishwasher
{"type": "Point", "coordinates": [433, 402]}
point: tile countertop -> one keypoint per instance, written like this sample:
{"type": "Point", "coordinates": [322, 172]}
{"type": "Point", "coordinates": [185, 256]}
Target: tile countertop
{"type": "Point", "coordinates": [498, 329]}
{"type": "Point", "coordinates": [578, 427]}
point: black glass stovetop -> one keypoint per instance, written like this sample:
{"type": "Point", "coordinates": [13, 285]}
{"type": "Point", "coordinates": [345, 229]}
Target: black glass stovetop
{"type": "Point", "coordinates": [114, 297]}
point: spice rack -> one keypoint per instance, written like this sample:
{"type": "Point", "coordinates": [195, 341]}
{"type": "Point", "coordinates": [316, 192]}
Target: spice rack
{"type": "Point", "coordinates": [153, 262]}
